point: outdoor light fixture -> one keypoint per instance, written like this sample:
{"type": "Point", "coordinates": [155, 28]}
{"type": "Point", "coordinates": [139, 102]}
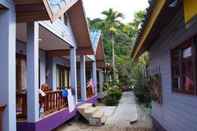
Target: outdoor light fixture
{"type": "Point", "coordinates": [172, 3]}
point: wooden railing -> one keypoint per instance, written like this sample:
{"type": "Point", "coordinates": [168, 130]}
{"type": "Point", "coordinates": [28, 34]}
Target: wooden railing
{"type": "Point", "coordinates": [53, 101]}
{"type": "Point", "coordinates": [90, 92]}
{"type": "Point", "coordinates": [21, 105]}
{"type": "Point", "coordinates": [2, 107]}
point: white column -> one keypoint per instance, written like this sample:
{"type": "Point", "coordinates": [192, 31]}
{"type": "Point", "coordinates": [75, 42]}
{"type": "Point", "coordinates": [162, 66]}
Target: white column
{"type": "Point", "coordinates": [101, 82]}
{"type": "Point", "coordinates": [94, 76]}
{"type": "Point", "coordinates": [8, 67]}
{"type": "Point", "coordinates": [32, 72]}
{"type": "Point", "coordinates": [73, 71]}
{"type": "Point", "coordinates": [83, 77]}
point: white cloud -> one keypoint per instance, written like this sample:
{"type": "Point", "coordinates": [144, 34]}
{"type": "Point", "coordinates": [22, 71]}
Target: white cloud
{"type": "Point", "coordinates": [127, 7]}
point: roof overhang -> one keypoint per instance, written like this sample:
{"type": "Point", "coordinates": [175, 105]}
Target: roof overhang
{"type": "Point", "coordinates": [100, 54]}
{"type": "Point", "coordinates": [80, 28]}
{"type": "Point", "coordinates": [155, 11]}
{"type": "Point", "coordinates": [35, 10]}
{"type": "Point", "coordinates": [159, 16]}
{"type": "Point", "coordinates": [48, 41]}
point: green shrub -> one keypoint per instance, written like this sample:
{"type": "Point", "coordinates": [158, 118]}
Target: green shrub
{"type": "Point", "coordinates": [110, 101]}
{"type": "Point", "coordinates": [113, 95]}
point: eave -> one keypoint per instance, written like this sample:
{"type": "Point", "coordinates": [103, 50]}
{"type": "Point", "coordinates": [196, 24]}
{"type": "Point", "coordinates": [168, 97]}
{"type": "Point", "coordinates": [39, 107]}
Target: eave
{"type": "Point", "coordinates": [80, 28]}
{"type": "Point", "coordinates": [146, 39]}
{"type": "Point", "coordinates": [100, 54]}
{"type": "Point", "coordinates": [36, 10]}
{"type": "Point", "coordinates": [147, 27]}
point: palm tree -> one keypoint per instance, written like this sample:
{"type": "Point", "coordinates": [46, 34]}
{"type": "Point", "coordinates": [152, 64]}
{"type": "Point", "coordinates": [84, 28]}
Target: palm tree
{"type": "Point", "coordinates": [111, 23]}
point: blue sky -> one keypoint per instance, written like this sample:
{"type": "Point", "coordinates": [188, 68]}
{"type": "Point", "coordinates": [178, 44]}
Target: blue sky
{"type": "Point", "coordinates": [127, 7]}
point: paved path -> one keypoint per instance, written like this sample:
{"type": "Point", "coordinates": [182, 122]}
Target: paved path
{"type": "Point", "coordinates": [118, 118]}
{"type": "Point", "coordinates": [125, 112]}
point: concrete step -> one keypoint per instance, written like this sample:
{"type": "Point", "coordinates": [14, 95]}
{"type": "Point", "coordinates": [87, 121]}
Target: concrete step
{"type": "Point", "coordinates": [94, 115]}
{"type": "Point", "coordinates": [90, 111]}
{"type": "Point", "coordinates": [83, 107]}
{"type": "Point", "coordinates": [98, 114]}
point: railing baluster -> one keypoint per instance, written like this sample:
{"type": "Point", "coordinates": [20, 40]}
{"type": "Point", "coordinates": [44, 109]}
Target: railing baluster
{"type": "Point", "coordinates": [54, 101]}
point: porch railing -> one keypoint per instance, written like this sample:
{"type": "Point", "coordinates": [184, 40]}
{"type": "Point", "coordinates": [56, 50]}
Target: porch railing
{"type": "Point", "coordinates": [52, 102]}
{"type": "Point", "coordinates": [2, 107]}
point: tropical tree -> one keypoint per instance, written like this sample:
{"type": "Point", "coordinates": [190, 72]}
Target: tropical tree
{"type": "Point", "coordinates": [118, 40]}
{"type": "Point", "coordinates": [111, 23]}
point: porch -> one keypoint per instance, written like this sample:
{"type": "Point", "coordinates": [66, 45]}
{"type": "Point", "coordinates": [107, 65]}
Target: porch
{"type": "Point", "coordinates": [56, 70]}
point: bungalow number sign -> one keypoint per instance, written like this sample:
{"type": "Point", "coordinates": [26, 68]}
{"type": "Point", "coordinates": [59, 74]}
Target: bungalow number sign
{"type": "Point", "coordinates": [155, 84]}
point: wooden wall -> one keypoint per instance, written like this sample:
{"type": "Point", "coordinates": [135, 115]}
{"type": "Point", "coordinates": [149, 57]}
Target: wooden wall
{"type": "Point", "coordinates": [178, 111]}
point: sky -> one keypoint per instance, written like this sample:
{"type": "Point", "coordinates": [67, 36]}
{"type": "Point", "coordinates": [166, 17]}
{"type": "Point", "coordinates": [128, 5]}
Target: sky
{"type": "Point", "coordinates": [128, 8]}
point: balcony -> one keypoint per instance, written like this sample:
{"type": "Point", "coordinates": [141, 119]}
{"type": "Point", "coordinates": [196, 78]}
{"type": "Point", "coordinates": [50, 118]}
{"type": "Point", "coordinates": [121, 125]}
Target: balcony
{"type": "Point", "coordinates": [52, 102]}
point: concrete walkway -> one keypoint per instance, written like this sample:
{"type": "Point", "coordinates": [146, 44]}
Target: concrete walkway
{"type": "Point", "coordinates": [126, 111]}
{"type": "Point", "coordinates": [118, 118]}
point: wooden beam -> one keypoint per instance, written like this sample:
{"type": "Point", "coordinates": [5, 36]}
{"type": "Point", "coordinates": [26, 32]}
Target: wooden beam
{"type": "Point", "coordinates": [85, 51]}
{"type": "Point", "coordinates": [58, 53]}
{"type": "Point", "coordinates": [32, 12]}
{"type": "Point", "coordinates": [22, 2]}
{"type": "Point", "coordinates": [30, 8]}
{"type": "Point", "coordinates": [34, 16]}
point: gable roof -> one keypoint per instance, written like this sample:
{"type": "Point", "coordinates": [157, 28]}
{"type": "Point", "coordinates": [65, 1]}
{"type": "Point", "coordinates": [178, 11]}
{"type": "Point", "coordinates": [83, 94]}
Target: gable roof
{"type": "Point", "coordinates": [97, 44]}
{"type": "Point", "coordinates": [95, 37]}
{"type": "Point", "coordinates": [80, 28]}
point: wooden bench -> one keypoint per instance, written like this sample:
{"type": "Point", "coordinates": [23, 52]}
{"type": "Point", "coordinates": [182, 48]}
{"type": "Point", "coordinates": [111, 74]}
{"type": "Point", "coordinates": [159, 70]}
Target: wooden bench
{"type": "Point", "coordinates": [2, 108]}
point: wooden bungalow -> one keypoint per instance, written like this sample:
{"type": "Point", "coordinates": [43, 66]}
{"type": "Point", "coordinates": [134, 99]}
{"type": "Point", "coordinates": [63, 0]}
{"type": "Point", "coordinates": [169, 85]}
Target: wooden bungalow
{"type": "Point", "coordinates": [169, 34]}
{"type": "Point", "coordinates": [42, 42]}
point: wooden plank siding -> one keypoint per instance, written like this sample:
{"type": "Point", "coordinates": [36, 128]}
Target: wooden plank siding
{"type": "Point", "coordinates": [178, 111]}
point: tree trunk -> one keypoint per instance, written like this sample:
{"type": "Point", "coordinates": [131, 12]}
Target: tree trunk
{"type": "Point", "coordinates": [113, 58]}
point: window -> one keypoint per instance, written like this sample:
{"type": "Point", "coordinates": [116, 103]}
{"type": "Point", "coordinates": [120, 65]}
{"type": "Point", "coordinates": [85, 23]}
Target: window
{"type": "Point", "coordinates": [183, 68]}
{"type": "Point", "coordinates": [21, 80]}
{"type": "Point", "coordinates": [62, 76]}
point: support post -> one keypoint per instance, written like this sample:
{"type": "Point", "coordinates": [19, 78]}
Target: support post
{"type": "Point", "coordinates": [32, 72]}
{"type": "Point", "coordinates": [101, 82]}
{"type": "Point", "coordinates": [8, 67]}
{"type": "Point", "coordinates": [94, 76]}
{"type": "Point", "coordinates": [83, 77]}
{"type": "Point", "coordinates": [73, 71]}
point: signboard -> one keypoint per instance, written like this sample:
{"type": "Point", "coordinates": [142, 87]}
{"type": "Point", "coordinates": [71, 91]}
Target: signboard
{"type": "Point", "coordinates": [71, 101]}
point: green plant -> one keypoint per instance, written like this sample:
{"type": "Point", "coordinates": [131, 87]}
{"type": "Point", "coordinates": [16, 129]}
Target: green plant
{"type": "Point", "coordinates": [113, 95]}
